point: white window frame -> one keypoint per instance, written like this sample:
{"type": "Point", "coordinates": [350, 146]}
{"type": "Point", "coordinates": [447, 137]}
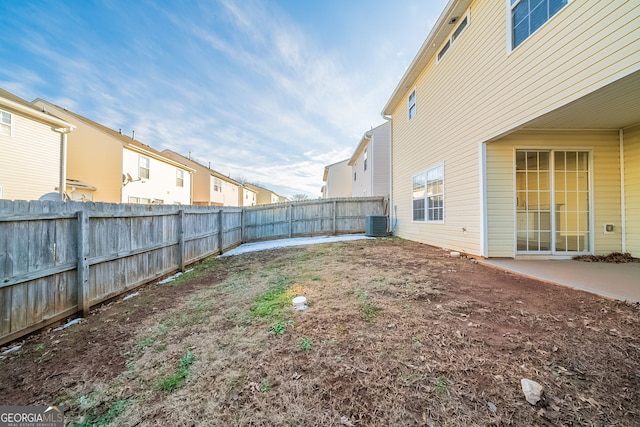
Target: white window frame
{"type": "Point", "coordinates": [217, 185]}
{"type": "Point", "coordinates": [411, 105]}
{"type": "Point", "coordinates": [365, 159]}
{"type": "Point", "coordinates": [144, 163]}
{"type": "Point", "coordinates": [4, 124]}
{"type": "Point", "coordinates": [511, 5]}
{"type": "Point", "coordinates": [462, 26]}
{"type": "Point", "coordinates": [428, 207]}
{"type": "Point", "coordinates": [179, 178]}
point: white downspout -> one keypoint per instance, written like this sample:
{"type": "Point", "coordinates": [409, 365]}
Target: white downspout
{"type": "Point", "coordinates": [484, 224]}
{"type": "Point", "coordinates": [62, 188]}
{"type": "Point", "coordinates": [623, 204]}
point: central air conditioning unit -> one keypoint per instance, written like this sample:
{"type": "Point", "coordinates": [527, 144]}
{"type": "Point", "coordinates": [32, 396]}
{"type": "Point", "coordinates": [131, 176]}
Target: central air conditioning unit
{"type": "Point", "coordinates": [376, 226]}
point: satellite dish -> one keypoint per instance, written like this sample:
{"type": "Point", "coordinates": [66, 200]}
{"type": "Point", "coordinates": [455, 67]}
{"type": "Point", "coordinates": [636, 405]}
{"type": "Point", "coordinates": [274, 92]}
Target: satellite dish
{"type": "Point", "coordinates": [51, 197]}
{"type": "Point", "coordinates": [129, 177]}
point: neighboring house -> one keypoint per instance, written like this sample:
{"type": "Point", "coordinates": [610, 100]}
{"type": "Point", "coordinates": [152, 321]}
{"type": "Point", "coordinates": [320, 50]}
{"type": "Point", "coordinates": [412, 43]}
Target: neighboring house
{"type": "Point", "coordinates": [265, 196]}
{"type": "Point", "coordinates": [338, 180]}
{"type": "Point", "coordinates": [210, 188]}
{"type": "Point", "coordinates": [248, 197]}
{"type": "Point", "coordinates": [520, 137]}
{"type": "Point", "coordinates": [32, 150]}
{"type": "Point", "coordinates": [121, 169]}
{"type": "Point", "coordinates": [371, 163]}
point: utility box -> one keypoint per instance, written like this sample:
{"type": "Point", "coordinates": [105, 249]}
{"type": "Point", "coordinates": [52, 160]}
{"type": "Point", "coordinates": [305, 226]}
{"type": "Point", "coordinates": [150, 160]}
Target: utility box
{"type": "Point", "coordinates": [376, 226]}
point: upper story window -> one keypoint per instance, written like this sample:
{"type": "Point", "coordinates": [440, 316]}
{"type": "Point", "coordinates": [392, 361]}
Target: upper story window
{"type": "Point", "coordinates": [5, 123]}
{"type": "Point", "coordinates": [529, 15]}
{"type": "Point", "coordinates": [365, 160]}
{"type": "Point", "coordinates": [143, 167]}
{"type": "Point", "coordinates": [179, 178]}
{"type": "Point", "coordinates": [412, 104]}
{"type": "Point", "coordinates": [217, 185]}
{"type": "Point", "coordinates": [454, 36]}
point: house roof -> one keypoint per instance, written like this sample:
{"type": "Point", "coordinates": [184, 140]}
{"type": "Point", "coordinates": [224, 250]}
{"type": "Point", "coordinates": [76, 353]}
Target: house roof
{"type": "Point", "coordinates": [439, 33]}
{"type": "Point", "coordinates": [25, 107]}
{"type": "Point", "coordinates": [257, 189]}
{"type": "Point", "coordinates": [195, 165]}
{"type": "Point", "coordinates": [127, 141]}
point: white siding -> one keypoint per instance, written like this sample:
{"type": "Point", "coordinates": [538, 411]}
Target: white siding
{"type": "Point", "coordinates": [339, 180]}
{"type": "Point", "coordinates": [161, 184]}
{"type": "Point", "coordinates": [380, 160]}
{"type": "Point", "coordinates": [30, 160]}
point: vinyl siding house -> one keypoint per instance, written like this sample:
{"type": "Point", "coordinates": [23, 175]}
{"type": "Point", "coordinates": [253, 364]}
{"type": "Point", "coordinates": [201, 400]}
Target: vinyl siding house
{"type": "Point", "coordinates": [248, 197]}
{"type": "Point", "coordinates": [265, 196]}
{"type": "Point", "coordinates": [338, 179]}
{"type": "Point", "coordinates": [371, 163]}
{"type": "Point", "coordinates": [32, 150]}
{"type": "Point", "coordinates": [210, 188]}
{"type": "Point", "coordinates": [516, 130]}
{"type": "Point", "coordinates": [120, 168]}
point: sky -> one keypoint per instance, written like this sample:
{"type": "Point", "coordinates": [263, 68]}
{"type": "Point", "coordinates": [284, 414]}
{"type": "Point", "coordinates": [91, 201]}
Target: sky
{"type": "Point", "coordinates": [267, 91]}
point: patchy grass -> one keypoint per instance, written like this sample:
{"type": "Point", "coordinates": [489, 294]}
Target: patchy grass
{"type": "Point", "coordinates": [396, 333]}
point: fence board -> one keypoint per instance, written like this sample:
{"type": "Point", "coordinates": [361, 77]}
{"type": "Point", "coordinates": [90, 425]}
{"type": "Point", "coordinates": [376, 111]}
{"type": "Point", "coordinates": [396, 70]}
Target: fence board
{"type": "Point", "coordinates": [43, 246]}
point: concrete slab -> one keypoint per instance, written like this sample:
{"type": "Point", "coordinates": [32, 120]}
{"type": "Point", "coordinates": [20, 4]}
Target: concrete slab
{"type": "Point", "coordinates": [618, 281]}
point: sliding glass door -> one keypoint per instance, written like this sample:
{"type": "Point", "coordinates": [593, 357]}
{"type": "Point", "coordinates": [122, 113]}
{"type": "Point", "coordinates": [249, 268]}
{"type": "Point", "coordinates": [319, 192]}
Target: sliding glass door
{"type": "Point", "coordinates": [552, 202]}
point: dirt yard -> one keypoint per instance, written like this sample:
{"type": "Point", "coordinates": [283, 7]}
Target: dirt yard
{"type": "Point", "coordinates": [396, 334]}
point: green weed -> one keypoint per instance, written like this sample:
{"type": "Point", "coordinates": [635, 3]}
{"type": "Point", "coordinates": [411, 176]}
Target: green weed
{"type": "Point", "coordinates": [103, 420]}
{"type": "Point", "coordinates": [369, 312]}
{"type": "Point", "coordinates": [177, 379]}
{"type": "Point", "coordinates": [265, 386]}
{"type": "Point", "coordinates": [305, 344]}
{"type": "Point", "coordinates": [271, 303]}
{"type": "Point", "coordinates": [280, 327]}
{"type": "Point", "coordinates": [441, 387]}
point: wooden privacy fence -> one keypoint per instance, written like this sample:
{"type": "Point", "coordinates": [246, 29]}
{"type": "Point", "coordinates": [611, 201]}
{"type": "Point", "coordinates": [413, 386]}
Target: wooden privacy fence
{"type": "Point", "coordinates": [60, 258]}
{"type": "Point", "coordinates": [309, 218]}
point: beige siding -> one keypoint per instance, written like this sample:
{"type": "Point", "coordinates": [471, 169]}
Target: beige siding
{"type": "Point", "coordinates": [605, 180]}
{"type": "Point", "coordinates": [339, 180]}
{"type": "Point", "coordinates": [30, 159]}
{"type": "Point", "coordinates": [93, 157]}
{"type": "Point", "coordinates": [479, 91]}
{"type": "Point", "coordinates": [632, 189]}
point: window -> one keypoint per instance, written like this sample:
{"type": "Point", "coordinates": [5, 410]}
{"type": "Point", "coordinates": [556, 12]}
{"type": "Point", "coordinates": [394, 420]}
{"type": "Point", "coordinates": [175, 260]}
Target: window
{"type": "Point", "coordinates": [143, 167]}
{"type": "Point", "coordinates": [135, 200]}
{"type": "Point", "coordinates": [428, 195]}
{"type": "Point", "coordinates": [179, 178]}
{"type": "Point", "coordinates": [217, 185]}
{"type": "Point", "coordinates": [418, 197]}
{"type": "Point", "coordinates": [365, 159]}
{"type": "Point", "coordinates": [451, 40]}
{"type": "Point", "coordinates": [529, 15]}
{"type": "Point", "coordinates": [5, 123]}
{"type": "Point", "coordinates": [435, 194]}
{"type": "Point", "coordinates": [412, 104]}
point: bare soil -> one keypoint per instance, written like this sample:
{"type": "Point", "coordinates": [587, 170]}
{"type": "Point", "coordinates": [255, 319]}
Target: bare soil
{"type": "Point", "coordinates": [396, 334]}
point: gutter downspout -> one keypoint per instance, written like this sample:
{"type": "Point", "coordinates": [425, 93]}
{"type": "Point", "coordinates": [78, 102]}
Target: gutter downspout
{"type": "Point", "coordinates": [63, 161]}
{"type": "Point", "coordinates": [623, 202]}
{"type": "Point", "coordinates": [390, 227]}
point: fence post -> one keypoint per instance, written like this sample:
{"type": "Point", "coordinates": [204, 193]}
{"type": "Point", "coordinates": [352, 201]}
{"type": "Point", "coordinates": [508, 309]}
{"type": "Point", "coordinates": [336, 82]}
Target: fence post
{"type": "Point", "coordinates": [220, 231]}
{"type": "Point", "coordinates": [181, 248]}
{"type": "Point", "coordinates": [335, 202]}
{"type": "Point", "coordinates": [290, 220]}
{"type": "Point", "coordinates": [83, 263]}
{"type": "Point", "coordinates": [242, 230]}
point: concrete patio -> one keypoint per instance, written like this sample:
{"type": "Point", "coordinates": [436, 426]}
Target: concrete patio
{"type": "Point", "coordinates": [618, 281]}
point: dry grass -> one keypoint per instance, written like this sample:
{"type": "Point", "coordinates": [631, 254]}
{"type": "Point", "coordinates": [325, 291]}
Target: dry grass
{"type": "Point", "coordinates": [396, 334]}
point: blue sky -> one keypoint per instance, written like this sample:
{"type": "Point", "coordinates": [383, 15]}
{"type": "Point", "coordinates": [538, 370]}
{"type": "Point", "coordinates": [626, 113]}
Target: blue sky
{"type": "Point", "coordinates": [269, 91]}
